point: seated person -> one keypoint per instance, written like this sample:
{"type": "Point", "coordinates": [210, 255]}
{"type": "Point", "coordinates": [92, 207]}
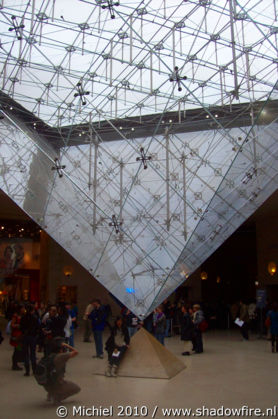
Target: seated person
{"type": "Point", "coordinates": [116, 346]}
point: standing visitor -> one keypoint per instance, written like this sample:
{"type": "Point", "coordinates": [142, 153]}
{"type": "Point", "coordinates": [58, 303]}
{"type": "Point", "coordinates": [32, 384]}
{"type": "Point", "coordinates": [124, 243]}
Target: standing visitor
{"type": "Point", "coordinates": [87, 322]}
{"type": "Point", "coordinates": [131, 321]}
{"type": "Point", "coordinates": [273, 320]}
{"type": "Point", "coordinates": [16, 337]}
{"type": "Point", "coordinates": [98, 318]}
{"type": "Point", "coordinates": [30, 328]}
{"type": "Point", "coordinates": [187, 329]}
{"type": "Point", "coordinates": [159, 324]}
{"type": "Point", "coordinates": [198, 318]}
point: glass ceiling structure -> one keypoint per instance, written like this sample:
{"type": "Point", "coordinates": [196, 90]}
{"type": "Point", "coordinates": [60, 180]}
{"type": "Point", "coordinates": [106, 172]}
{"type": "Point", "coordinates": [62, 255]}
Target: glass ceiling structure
{"type": "Point", "coordinates": [163, 121]}
{"type": "Point", "coordinates": [227, 49]}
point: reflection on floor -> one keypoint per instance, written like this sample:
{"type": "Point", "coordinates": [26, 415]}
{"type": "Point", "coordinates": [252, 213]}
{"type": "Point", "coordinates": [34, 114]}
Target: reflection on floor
{"type": "Point", "coordinates": [230, 373]}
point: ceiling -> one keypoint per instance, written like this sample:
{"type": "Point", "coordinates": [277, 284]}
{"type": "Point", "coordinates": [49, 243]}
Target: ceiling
{"type": "Point", "coordinates": [72, 62]}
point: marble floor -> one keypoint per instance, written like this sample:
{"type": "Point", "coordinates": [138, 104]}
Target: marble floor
{"type": "Point", "coordinates": [230, 373]}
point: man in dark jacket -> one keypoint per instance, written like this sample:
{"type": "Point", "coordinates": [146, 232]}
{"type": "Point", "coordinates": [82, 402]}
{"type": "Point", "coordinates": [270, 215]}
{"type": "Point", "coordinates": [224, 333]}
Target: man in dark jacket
{"type": "Point", "coordinates": [30, 327]}
{"type": "Point", "coordinates": [54, 327]}
{"type": "Point", "coordinates": [98, 318]}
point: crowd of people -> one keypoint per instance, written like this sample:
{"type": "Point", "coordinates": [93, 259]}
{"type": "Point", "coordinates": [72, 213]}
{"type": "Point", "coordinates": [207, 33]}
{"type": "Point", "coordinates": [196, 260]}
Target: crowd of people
{"type": "Point", "coordinates": [50, 329]}
{"type": "Point", "coordinates": [191, 323]}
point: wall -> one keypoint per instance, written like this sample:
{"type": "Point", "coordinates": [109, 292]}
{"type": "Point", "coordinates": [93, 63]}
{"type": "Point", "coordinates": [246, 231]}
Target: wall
{"type": "Point", "coordinates": [267, 246]}
{"type": "Point", "coordinates": [88, 288]}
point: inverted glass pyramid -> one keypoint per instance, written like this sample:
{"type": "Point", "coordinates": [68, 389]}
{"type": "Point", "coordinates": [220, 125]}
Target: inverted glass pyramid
{"type": "Point", "coordinates": [141, 232]}
{"type": "Point", "coordinates": [165, 123]}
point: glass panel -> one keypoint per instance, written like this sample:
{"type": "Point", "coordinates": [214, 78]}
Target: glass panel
{"type": "Point", "coordinates": [141, 231]}
{"type": "Point", "coordinates": [226, 49]}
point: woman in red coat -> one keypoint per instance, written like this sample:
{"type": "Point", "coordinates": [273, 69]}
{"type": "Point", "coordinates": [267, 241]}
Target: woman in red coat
{"type": "Point", "coordinates": [16, 338]}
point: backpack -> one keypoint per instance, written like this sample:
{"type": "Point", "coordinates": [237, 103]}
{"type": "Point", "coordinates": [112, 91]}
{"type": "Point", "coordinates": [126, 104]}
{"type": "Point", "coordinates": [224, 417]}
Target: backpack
{"type": "Point", "coordinates": [45, 373]}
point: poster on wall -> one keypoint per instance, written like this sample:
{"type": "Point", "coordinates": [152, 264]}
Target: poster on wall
{"type": "Point", "coordinates": [16, 253]}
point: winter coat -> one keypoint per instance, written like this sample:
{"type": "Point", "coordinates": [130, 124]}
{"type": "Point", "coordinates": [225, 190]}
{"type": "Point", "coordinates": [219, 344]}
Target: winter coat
{"type": "Point", "coordinates": [98, 318]}
{"type": "Point", "coordinates": [30, 325]}
{"type": "Point", "coordinates": [110, 343]}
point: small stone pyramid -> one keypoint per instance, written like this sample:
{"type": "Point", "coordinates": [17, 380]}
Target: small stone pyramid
{"type": "Point", "coordinates": [147, 358]}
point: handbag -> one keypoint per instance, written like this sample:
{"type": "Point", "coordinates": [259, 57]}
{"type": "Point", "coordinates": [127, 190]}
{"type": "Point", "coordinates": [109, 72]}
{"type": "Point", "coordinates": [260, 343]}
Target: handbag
{"type": "Point", "coordinates": [267, 322]}
{"type": "Point", "coordinates": [203, 326]}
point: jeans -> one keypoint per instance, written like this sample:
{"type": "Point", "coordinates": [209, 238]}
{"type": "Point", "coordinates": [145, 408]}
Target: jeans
{"type": "Point", "coordinates": [98, 342]}
{"type": "Point", "coordinates": [71, 338]}
{"type": "Point", "coordinates": [29, 349]}
{"type": "Point", "coordinates": [160, 337]}
{"type": "Point", "coordinates": [131, 331]}
{"type": "Point", "coordinates": [168, 326]}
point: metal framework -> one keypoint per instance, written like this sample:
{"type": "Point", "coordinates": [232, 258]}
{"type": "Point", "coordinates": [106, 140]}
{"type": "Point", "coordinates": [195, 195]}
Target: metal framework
{"type": "Point", "coordinates": [85, 98]}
